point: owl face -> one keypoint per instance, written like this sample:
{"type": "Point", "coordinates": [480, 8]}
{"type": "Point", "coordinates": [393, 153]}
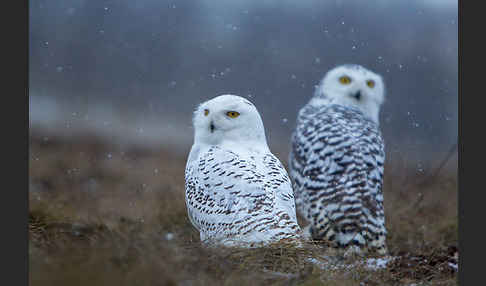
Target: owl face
{"type": "Point", "coordinates": [227, 118]}
{"type": "Point", "coordinates": [355, 86]}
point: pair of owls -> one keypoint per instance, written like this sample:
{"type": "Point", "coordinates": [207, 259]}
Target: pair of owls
{"type": "Point", "coordinates": [239, 194]}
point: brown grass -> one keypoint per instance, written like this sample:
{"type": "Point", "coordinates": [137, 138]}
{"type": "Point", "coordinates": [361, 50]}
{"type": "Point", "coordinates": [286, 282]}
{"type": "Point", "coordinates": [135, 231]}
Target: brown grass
{"type": "Point", "coordinates": [101, 214]}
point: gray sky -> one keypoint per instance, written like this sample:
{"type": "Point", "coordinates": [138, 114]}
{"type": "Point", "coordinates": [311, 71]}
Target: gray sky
{"type": "Point", "coordinates": [154, 61]}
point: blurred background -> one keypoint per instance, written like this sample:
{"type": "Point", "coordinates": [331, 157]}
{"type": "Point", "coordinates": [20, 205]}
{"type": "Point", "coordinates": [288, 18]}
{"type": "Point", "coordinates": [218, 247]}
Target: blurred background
{"type": "Point", "coordinates": [112, 88]}
{"type": "Point", "coordinates": [132, 72]}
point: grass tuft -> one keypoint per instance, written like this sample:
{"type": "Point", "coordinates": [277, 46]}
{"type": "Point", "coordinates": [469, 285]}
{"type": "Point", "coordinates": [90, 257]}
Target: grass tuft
{"type": "Point", "coordinates": [101, 214]}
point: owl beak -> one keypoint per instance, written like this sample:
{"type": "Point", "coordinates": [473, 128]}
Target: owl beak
{"type": "Point", "coordinates": [212, 127]}
{"type": "Point", "coordinates": [357, 95]}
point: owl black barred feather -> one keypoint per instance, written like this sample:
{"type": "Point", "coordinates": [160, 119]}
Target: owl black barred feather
{"type": "Point", "coordinates": [237, 192]}
{"type": "Point", "coordinates": [337, 159]}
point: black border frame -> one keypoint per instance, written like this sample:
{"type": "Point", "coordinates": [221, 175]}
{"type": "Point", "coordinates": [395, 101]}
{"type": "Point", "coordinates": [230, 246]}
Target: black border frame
{"type": "Point", "coordinates": [15, 239]}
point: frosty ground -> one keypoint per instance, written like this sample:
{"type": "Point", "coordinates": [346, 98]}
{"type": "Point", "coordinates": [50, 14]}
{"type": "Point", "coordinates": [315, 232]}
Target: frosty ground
{"type": "Point", "coordinates": [107, 214]}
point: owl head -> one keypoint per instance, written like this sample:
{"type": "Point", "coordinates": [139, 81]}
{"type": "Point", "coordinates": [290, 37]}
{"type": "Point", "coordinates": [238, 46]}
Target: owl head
{"type": "Point", "coordinates": [228, 118]}
{"type": "Point", "coordinates": [353, 86]}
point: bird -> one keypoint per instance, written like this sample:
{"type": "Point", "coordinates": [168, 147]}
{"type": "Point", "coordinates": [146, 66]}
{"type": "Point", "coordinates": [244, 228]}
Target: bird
{"type": "Point", "coordinates": [237, 193]}
{"type": "Point", "coordinates": [336, 161]}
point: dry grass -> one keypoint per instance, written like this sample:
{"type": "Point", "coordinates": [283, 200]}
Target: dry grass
{"type": "Point", "coordinates": [102, 214]}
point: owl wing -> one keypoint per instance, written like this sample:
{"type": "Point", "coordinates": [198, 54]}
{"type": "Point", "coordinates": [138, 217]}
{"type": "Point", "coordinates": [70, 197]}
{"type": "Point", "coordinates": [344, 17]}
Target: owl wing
{"type": "Point", "coordinates": [342, 151]}
{"type": "Point", "coordinates": [302, 141]}
{"type": "Point", "coordinates": [222, 192]}
{"type": "Point", "coordinates": [278, 181]}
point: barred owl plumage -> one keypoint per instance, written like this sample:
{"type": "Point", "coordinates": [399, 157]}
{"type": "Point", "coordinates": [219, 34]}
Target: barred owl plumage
{"type": "Point", "coordinates": [237, 192]}
{"type": "Point", "coordinates": [337, 159]}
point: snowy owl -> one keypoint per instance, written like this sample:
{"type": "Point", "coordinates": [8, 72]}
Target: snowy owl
{"type": "Point", "coordinates": [336, 161]}
{"type": "Point", "coordinates": [237, 192]}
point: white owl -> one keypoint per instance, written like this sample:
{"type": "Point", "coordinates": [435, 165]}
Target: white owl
{"type": "Point", "coordinates": [336, 161]}
{"type": "Point", "coordinates": [237, 192]}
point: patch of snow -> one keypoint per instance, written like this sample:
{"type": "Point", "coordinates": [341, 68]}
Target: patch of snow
{"type": "Point", "coordinates": [377, 263]}
{"type": "Point", "coordinates": [373, 264]}
{"type": "Point", "coordinates": [453, 266]}
{"type": "Point", "coordinates": [169, 236]}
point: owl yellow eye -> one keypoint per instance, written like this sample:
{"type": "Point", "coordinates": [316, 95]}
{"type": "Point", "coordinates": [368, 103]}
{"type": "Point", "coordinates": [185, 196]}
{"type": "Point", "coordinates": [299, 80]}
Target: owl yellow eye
{"type": "Point", "coordinates": [232, 114]}
{"type": "Point", "coordinates": [206, 112]}
{"type": "Point", "coordinates": [345, 80]}
{"type": "Point", "coordinates": [370, 83]}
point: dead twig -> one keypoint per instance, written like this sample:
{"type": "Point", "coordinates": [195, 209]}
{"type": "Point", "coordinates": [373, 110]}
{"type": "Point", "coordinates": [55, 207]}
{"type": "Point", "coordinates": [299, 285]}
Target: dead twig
{"type": "Point", "coordinates": [430, 179]}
